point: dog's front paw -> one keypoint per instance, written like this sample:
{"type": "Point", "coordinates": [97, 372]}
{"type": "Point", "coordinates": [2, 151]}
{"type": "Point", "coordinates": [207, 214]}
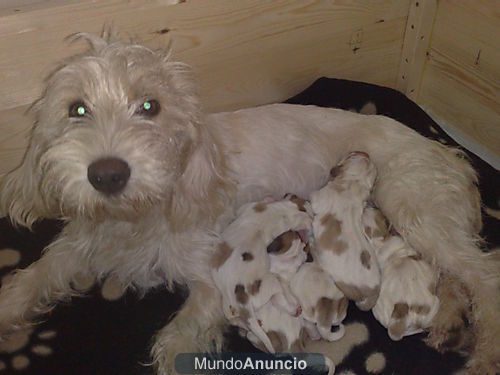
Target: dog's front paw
{"type": "Point", "coordinates": [182, 336]}
{"type": "Point", "coordinates": [166, 347]}
{"type": "Point", "coordinates": [10, 322]}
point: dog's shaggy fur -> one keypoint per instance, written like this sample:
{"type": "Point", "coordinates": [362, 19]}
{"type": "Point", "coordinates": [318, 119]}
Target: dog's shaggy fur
{"type": "Point", "coordinates": [189, 171]}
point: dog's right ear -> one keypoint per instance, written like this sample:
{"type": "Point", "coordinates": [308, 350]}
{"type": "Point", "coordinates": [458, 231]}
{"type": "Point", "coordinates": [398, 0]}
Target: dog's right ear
{"type": "Point", "coordinates": [20, 196]}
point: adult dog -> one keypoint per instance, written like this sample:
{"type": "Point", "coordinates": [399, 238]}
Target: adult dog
{"type": "Point", "coordinates": [122, 151]}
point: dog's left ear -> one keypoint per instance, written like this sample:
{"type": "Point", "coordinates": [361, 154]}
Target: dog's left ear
{"type": "Point", "coordinates": [20, 196]}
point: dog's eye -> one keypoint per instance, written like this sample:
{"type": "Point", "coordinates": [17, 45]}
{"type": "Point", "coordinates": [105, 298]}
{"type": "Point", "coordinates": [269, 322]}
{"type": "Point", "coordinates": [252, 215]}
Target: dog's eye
{"type": "Point", "coordinates": [149, 108]}
{"type": "Point", "coordinates": [78, 109]}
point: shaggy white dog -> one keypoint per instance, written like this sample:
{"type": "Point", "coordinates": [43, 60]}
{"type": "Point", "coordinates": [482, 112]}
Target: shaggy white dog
{"type": "Point", "coordinates": [122, 151]}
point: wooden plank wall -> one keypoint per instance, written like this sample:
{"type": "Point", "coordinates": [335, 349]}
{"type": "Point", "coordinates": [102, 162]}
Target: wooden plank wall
{"type": "Point", "coordinates": [460, 85]}
{"type": "Point", "coordinates": [244, 52]}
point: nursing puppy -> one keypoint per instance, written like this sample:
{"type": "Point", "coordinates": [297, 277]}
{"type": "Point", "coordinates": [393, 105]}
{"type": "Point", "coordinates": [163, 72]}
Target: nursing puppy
{"type": "Point", "coordinates": [324, 306]}
{"type": "Point", "coordinates": [287, 253]}
{"type": "Point", "coordinates": [407, 302]}
{"type": "Point", "coordinates": [260, 242]}
{"type": "Point", "coordinates": [342, 249]}
{"type": "Point", "coordinates": [121, 149]}
{"type": "Point", "coordinates": [287, 333]}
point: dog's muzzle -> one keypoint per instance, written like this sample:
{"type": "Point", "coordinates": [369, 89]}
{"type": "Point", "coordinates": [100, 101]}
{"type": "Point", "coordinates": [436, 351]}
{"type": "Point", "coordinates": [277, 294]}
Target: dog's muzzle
{"type": "Point", "coordinates": [108, 175]}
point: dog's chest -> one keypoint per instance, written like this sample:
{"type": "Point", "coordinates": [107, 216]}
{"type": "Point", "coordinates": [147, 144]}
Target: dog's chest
{"type": "Point", "coordinates": [147, 253]}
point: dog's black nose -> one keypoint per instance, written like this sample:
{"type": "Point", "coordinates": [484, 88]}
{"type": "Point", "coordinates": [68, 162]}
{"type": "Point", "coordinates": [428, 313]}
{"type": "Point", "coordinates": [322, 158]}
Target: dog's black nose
{"type": "Point", "coordinates": [108, 175]}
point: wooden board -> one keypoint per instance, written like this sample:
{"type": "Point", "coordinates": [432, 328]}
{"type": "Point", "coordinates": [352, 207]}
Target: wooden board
{"type": "Point", "coordinates": [417, 40]}
{"type": "Point", "coordinates": [461, 82]}
{"type": "Point", "coordinates": [244, 52]}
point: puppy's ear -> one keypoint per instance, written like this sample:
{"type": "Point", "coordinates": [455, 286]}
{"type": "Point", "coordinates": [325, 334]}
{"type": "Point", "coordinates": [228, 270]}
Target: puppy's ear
{"type": "Point", "coordinates": [20, 196]}
{"type": "Point", "coordinates": [335, 171]}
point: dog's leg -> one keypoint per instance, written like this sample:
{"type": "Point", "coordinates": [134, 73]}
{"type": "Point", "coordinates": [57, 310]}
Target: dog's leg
{"type": "Point", "coordinates": [450, 327]}
{"type": "Point", "coordinates": [197, 328]}
{"type": "Point", "coordinates": [35, 290]}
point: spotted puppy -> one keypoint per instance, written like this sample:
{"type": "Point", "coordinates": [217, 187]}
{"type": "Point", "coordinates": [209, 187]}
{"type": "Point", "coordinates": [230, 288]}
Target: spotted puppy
{"type": "Point", "coordinates": [283, 327]}
{"type": "Point", "coordinates": [342, 249]}
{"type": "Point", "coordinates": [285, 330]}
{"type": "Point", "coordinates": [241, 266]}
{"type": "Point", "coordinates": [407, 302]}
{"type": "Point", "coordinates": [324, 306]}
{"type": "Point", "coordinates": [286, 333]}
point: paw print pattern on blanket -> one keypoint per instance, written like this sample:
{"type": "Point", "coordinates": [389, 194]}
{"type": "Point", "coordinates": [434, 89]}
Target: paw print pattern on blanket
{"type": "Point", "coordinates": [16, 351]}
{"type": "Point", "coordinates": [356, 336]}
{"type": "Point", "coordinates": [19, 350]}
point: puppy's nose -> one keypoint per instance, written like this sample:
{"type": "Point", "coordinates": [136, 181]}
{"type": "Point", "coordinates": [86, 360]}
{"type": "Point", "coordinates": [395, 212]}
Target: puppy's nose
{"type": "Point", "coordinates": [108, 175]}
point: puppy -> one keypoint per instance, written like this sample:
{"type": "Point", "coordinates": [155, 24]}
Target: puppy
{"type": "Point", "coordinates": [244, 271]}
{"type": "Point", "coordinates": [286, 332]}
{"type": "Point", "coordinates": [341, 248]}
{"type": "Point", "coordinates": [324, 306]}
{"type": "Point", "coordinates": [122, 149]}
{"type": "Point", "coordinates": [287, 252]}
{"type": "Point", "coordinates": [407, 302]}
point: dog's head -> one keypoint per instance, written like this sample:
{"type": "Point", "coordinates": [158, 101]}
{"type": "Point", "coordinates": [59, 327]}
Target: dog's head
{"type": "Point", "coordinates": [118, 130]}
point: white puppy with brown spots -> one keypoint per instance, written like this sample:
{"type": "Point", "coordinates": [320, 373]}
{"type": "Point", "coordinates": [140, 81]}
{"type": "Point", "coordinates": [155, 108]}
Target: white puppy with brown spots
{"type": "Point", "coordinates": [284, 330]}
{"type": "Point", "coordinates": [282, 326]}
{"type": "Point", "coordinates": [407, 302]}
{"type": "Point", "coordinates": [342, 249]}
{"type": "Point", "coordinates": [324, 306]}
{"type": "Point", "coordinates": [241, 266]}
{"type": "Point", "coordinates": [306, 282]}
{"type": "Point", "coordinates": [286, 333]}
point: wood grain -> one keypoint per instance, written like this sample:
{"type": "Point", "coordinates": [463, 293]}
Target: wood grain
{"type": "Point", "coordinates": [415, 46]}
{"type": "Point", "coordinates": [244, 52]}
{"type": "Point", "coordinates": [461, 81]}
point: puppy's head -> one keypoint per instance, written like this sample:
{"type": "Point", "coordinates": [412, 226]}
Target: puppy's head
{"type": "Point", "coordinates": [355, 169]}
{"type": "Point", "coordinates": [115, 129]}
{"type": "Point", "coordinates": [283, 242]}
